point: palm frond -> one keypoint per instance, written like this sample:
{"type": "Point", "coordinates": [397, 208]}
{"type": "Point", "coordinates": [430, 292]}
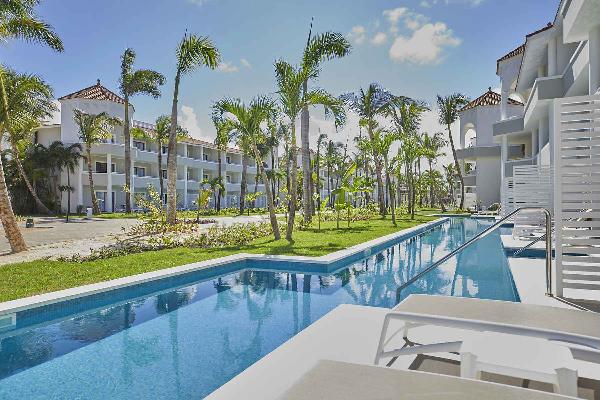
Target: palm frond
{"type": "Point", "coordinates": [195, 51]}
{"type": "Point", "coordinates": [30, 29]}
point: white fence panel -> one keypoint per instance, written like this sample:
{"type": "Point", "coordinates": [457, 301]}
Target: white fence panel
{"type": "Point", "coordinates": [507, 197]}
{"type": "Point", "coordinates": [532, 187]}
{"type": "Point", "coordinates": [577, 193]}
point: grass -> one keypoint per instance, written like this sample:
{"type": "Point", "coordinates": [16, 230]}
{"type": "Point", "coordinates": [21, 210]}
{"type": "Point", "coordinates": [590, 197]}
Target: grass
{"type": "Point", "coordinates": [41, 276]}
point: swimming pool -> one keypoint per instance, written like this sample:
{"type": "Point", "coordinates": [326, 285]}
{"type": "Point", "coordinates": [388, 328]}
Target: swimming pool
{"type": "Point", "coordinates": [183, 337]}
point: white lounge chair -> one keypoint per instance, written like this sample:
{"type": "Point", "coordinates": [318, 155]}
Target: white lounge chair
{"type": "Point", "coordinates": [334, 380]}
{"type": "Point", "coordinates": [579, 330]}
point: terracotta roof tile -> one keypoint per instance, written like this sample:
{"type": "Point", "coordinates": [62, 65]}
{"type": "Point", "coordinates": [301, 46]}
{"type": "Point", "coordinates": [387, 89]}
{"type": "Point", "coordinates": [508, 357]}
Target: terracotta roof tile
{"type": "Point", "coordinates": [512, 53]}
{"type": "Point", "coordinates": [489, 98]}
{"type": "Point", "coordinates": [95, 92]}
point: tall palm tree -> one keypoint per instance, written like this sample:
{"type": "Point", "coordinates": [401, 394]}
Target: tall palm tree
{"type": "Point", "coordinates": [320, 141]}
{"type": "Point", "coordinates": [68, 160]}
{"type": "Point", "coordinates": [370, 104]}
{"type": "Point", "coordinates": [132, 82]}
{"type": "Point", "coordinates": [18, 20]}
{"type": "Point", "coordinates": [383, 143]}
{"type": "Point", "coordinates": [29, 100]}
{"type": "Point", "coordinates": [244, 122]}
{"type": "Point", "coordinates": [93, 128]}
{"type": "Point", "coordinates": [192, 52]}
{"type": "Point", "coordinates": [322, 47]}
{"type": "Point", "coordinates": [448, 109]}
{"type": "Point", "coordinates": [159, 135]}
{"type": "Point", "coordinates": [432, 146]}
{"type": "Point", "coordinates": [221, 141]}
{"type": "Point", "coordinates": [292, 99]}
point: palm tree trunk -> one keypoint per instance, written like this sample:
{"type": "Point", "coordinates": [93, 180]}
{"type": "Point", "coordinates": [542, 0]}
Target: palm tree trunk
{"type": "Point", "coordinates": [378, 172]}
{"type": "Point", "coordinates": [458, 171]}
{"type": "Point", "coordinates": [270, 204]}
{"type": "Point", "coordinates": [431, 202]}
{"type": "Point", "coordinates": [9, 222]}
{"type": "Point", "coordinates": [172, 158]}
{"type": "Point", "coordinates": [68, 194]}
{"type": "Point", "coordinates": [293, 190]}
{"type": "Point", "coordinates": [161, 182]}
{"type": "Point", "coordinates": [41, 207]}
{"type": "Point", "coordinates": [127, 138]}
{"type": "Point", "coordinates": [306, 173]}
{"type": "Point", "coordinates": [95, 207]}
{"type": "Point", "coordinates": [220, 175]}
{"type": "Point", "coordinates": [244, 183]}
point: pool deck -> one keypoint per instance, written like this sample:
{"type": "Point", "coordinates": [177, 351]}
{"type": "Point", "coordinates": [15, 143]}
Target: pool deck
{"type": "Point", "coordinates": [350, 333]}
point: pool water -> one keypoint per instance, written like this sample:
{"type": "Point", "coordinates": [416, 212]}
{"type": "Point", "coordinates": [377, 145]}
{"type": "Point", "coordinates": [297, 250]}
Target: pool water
{"type": "Point", "coordinates": [186, 340]}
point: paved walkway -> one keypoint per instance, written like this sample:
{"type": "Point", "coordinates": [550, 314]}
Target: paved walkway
{"type": "Point", "coordinates": [52, 236]}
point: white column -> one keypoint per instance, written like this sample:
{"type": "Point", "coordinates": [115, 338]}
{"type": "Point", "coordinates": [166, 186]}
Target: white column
{"type": "Point", "coordinates": [594, 48]}
{"type": "Point", "coordinates": [543, 131]}
{"type": "Point", "coordinates": [132, 184]}
{"type": "Point", "coordinates": [185, 185]}
{"type": "Point", "coordinates": [534, 142]}
{"type": "Point", "coordinates": [79, 186]}
{"type": "Point", "coordinates": [503, 101]}
{"type": "Point", "coordinates": [552, 67]}
{"type": "Point", "coordinates": [108, 205]}
{"type": "Point", "coordinates": [503, 157]}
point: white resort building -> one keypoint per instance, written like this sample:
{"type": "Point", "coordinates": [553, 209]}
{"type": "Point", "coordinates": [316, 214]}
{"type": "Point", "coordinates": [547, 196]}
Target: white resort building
{"type": "Point", "coordinates": [197, 160]}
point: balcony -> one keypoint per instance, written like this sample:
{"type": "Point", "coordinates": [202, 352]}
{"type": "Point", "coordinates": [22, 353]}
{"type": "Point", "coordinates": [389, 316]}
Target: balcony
{"type": "Point", "coordinates": [510, 125]}
{"type": "Point", "coordinates": [509, 165]}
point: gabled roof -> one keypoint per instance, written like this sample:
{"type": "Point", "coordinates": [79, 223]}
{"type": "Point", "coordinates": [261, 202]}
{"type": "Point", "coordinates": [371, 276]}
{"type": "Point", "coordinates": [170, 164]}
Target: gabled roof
{"type": "Point", "coordinates": [489, 98]}
{"type": "Point", "coordinates": [513, 53]}
{"type": "Point", "coordinates": [95, 92]}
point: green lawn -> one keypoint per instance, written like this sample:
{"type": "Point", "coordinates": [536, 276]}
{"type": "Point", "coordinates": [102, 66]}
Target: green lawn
{"type": "Point", "coordinates": [26, 279]}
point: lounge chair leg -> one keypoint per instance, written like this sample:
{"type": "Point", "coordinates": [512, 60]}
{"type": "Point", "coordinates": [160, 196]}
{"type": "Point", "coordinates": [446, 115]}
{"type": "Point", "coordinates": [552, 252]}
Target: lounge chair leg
{"type": "Point", "coordinates": [468, 365]}
{"type": "Point", "coordinates": [567, 381]}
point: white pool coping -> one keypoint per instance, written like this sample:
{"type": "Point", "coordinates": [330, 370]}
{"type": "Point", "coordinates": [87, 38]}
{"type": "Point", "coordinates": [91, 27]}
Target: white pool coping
{"type": "Point", "coordinates": [13, 306]}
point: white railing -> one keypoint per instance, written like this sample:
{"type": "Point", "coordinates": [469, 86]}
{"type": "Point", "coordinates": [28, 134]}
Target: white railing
{"type": "Point", "coordinates": [507, 199]}
{"type": "Point", "coordinates": [577, 194]}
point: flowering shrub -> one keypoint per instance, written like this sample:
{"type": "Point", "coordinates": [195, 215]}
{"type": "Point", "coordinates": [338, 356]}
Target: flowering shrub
{"type": "Point", "coordinates": [159, 237]}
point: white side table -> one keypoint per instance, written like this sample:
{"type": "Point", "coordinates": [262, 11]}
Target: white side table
{"type": "Point", "coordinates": [520, 357]}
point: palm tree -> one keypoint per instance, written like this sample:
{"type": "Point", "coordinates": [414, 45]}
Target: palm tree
{"type": "Point", "coordinates": [369, 104]}
{"type": "Point", "coordinates": [293, 99]}
{"type": "Point", "coordinates": [383, 143]}
{"type": "Point", "coordinates": [244, 122]}
{"type": "Point", "coordinates": [68, 160]}
{"type": "Point", "coordinates": [132, 82]}
{"type": "Point", "coordinates": [93, 128]}
{"type": "Point", "coordinates": [221, 142]}
{"type": "Point", "coordinates": [216, 186]}
{"type": "Point", "coordinates": [432, 146]}
{"type": "Point", "coordinates": [322, 47]}
{"type": "Point", "coordinates": [448, 109]}
{"type": "Point", "coordinates": [29, 101]}
{"type": "Point", "coordinates": [18, 20]}
{"type": "Point", "coordinates": [320, 141]}
{"type": "Point", "coordinates": [160, 136]}
{"type": "Point", "coordinates": [192, 52]}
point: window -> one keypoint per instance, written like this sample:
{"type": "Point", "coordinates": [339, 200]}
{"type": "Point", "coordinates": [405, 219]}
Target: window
{"type": "Point", "coordinates": [164, 174]}
{"type": "Point", "coordinates": [190, 177]}
{"type": "Point", "coordinates": [205, 157]}
{"type": "Point", "coordinates": [165, 149]}
{"type": "Point", "coordinates": [101, 167]}
{"type": "Point", "coordinates": [139, 171]}
{"type": "Point", "coordinates": [139, 145]}
{"type": "Point", "coordinates": [228, 159]}
{"type": "Point", "coordinates": [113, 167]}
{"type": "Point", "coordinates": [205, 177]}
{"type": "Point", "coordinates": [228, 178]}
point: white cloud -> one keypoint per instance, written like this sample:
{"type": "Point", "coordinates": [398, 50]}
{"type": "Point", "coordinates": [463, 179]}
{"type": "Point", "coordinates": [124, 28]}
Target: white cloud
{"type": "Point", "coordinates": [425, 45]}
{"type": "Point", "coordinates": [358, 34]}
{"type": "Point", "coordinates": [431, 3]}
{"type": "Point", "coordinates": [379, 39]}
{"type": "Point", "coordinates": [189, 120]}
{"type": "Point", "coordinates": [245, 63]}
{"type": "Point", "coordinates": [227, 67]}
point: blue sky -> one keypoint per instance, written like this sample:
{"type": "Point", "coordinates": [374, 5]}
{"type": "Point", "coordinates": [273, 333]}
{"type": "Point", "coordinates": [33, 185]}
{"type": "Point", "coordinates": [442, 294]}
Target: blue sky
{"type": "Point", "coordinates": [413, 47]}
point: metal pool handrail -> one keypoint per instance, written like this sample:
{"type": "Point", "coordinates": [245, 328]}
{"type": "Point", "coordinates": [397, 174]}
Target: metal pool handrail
{"type": "Point", "coordinates": [487, 231]}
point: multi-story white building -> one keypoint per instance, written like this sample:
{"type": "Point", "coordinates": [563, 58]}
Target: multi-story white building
{"type": "Point", "coordinates": [514, 132]}
{"type": "Point", "coordinates": [197, 160]}
{"type": "Point", "coordinates": [478, 154]}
